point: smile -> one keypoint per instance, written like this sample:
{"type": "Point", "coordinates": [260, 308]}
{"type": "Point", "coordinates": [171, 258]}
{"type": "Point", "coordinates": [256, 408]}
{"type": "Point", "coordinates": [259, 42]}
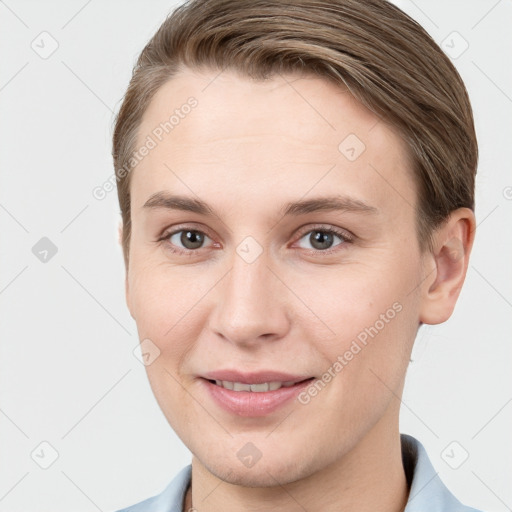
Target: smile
{"type": "Point", "coordinates": [255, 388]}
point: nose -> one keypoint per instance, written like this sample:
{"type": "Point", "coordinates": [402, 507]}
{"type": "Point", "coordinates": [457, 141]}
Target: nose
{"type": "Point", "coordinates": [250, 304]}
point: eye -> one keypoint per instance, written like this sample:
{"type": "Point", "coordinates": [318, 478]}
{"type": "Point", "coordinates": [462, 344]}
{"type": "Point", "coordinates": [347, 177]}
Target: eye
{"type": "Point", "coordinates": [323, 239]}
{"type": "Point", "coordinates": [189, 241]}
{"type": "Point", "coordinates": [185, 240]}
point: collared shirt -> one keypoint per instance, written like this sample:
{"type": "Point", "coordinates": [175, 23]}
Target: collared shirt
{"type": "Point", "coordinates": [427, 492]}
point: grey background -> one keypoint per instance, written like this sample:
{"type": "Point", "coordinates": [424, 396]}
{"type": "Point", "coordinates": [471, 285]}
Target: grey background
{"type": "Point", "coordinates": [68, 374]}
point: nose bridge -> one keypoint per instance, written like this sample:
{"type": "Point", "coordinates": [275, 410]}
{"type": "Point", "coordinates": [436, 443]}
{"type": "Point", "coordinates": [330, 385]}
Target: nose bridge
{"type": "Point", "coordinates": [249, 308]}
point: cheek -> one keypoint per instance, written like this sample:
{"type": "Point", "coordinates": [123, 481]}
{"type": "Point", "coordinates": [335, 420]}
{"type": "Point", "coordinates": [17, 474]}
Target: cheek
{"type": "Point", "coordinates": [166, 310]}
{"type": "Point", "coordinates": [162, 296]}
{"type": "Point", "coordinates": [364, 325]}
{"type": "Point", "coordinates": [171, 305]}
{"type": "Point", "coordinates": [342, 302]}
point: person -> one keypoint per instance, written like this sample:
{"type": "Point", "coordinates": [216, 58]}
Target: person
{"type": "Point", "coordinates": [296, 184]}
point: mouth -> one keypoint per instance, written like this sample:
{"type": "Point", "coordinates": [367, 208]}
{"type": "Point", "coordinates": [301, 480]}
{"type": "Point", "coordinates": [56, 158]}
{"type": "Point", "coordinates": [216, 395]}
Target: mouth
{"type": "Point", "coordinates": [253, 395]}
{"type": "Point", "coordinates": [262, 387]}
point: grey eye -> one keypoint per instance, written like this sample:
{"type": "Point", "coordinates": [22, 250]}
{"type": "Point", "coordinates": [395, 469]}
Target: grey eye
{"type": "Point", "coordinates": [188, 238]}
{"type": "Point", "coordinates": [321, 239]}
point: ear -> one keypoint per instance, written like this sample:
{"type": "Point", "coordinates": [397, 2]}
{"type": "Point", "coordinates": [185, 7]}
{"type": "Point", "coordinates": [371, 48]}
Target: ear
{"type": "Point", "coordinates": [126, 282]}
{"type": "Point", "coordinates": [446, 265]}
{"type": "Point", "coordinates": [120, 233]}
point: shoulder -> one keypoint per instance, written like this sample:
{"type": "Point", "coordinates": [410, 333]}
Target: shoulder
{"type": "Point", "coordinates": [170, 499]}
{"type": "Point", "coordinates": [427, 490]}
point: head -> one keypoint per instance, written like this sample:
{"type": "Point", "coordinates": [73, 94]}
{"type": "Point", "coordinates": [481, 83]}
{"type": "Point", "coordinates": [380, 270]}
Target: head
{"type": "Point", "coordinates": [321, 158]}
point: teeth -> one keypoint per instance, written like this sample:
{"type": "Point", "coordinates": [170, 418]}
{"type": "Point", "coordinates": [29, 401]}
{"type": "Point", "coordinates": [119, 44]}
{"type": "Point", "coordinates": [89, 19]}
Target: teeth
{"type": "Point", "coordinates": [255, 388]}
{"type": "Point", "coordinates": [238, 386]}
{"type": "Point", "coordinates": [258, 388]}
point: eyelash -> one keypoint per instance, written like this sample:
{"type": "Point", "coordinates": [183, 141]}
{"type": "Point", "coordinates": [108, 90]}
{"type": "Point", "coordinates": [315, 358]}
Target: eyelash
{"type": "Point", "coordinates": [345, 236]}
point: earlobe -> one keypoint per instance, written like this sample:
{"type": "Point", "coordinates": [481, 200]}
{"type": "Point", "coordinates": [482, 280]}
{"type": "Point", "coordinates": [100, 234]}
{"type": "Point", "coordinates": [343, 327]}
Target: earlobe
{"type": "Point", "coordinates": [451, 249]}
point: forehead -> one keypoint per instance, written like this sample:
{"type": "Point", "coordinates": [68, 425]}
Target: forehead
{"type": "Point", "coordinates": [284, 132]}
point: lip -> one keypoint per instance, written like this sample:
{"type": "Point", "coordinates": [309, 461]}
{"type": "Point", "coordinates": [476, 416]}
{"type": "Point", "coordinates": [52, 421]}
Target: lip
{"type": "Point", "coordinates": [250, 403]}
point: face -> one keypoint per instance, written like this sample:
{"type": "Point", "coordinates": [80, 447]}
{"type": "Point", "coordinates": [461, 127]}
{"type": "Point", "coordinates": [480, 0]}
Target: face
{"type": "Point", "coordinates": [290, 254]}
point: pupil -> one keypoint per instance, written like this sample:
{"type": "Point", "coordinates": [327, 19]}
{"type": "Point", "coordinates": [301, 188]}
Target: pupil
{"type": "Point", "coordinates": [321, 240]}
{"type": "Point", "coordinates": [191, 239]}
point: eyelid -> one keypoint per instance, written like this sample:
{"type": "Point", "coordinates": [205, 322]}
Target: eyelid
{"type": "Point", "coordinates": [167, 232]}
{"type": "Point", "coordinates": [343, 233]}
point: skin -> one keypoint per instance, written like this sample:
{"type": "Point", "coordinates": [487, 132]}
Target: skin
{"type": "Point", "coordinates": [247, 149]}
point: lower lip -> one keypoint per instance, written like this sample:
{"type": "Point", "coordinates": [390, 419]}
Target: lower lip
{"type": "Point", "coordinates": [250, 403]}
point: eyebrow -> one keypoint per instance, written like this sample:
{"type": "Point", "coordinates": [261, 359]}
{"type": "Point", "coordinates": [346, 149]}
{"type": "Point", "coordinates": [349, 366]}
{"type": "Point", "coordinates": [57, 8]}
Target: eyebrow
{"type": "Point", "coordinates": [328, 203]}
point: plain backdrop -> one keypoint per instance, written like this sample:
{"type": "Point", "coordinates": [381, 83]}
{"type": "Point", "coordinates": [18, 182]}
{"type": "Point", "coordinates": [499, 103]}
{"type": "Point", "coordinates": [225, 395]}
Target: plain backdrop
{"type": "Point", "coordinates": [73, 396]}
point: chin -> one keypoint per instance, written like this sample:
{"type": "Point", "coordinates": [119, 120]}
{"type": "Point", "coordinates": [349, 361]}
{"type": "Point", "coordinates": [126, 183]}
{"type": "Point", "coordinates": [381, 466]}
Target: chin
{"type": "Point", "coordinates": [253, 477]}
{"type": "Point", "coordinates": [266, 472]}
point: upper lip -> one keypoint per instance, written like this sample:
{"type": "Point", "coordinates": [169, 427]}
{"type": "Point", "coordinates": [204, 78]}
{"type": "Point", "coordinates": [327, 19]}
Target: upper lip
{"type": "Point", "coordinates": [254, 377]}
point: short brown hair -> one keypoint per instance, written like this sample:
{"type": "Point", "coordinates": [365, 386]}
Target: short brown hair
{"type": "Point", "coordinates": [385, 59]}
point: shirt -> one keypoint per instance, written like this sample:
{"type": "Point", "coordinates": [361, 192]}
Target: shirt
{"type": "Point", "coordinates": [427, 492]}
